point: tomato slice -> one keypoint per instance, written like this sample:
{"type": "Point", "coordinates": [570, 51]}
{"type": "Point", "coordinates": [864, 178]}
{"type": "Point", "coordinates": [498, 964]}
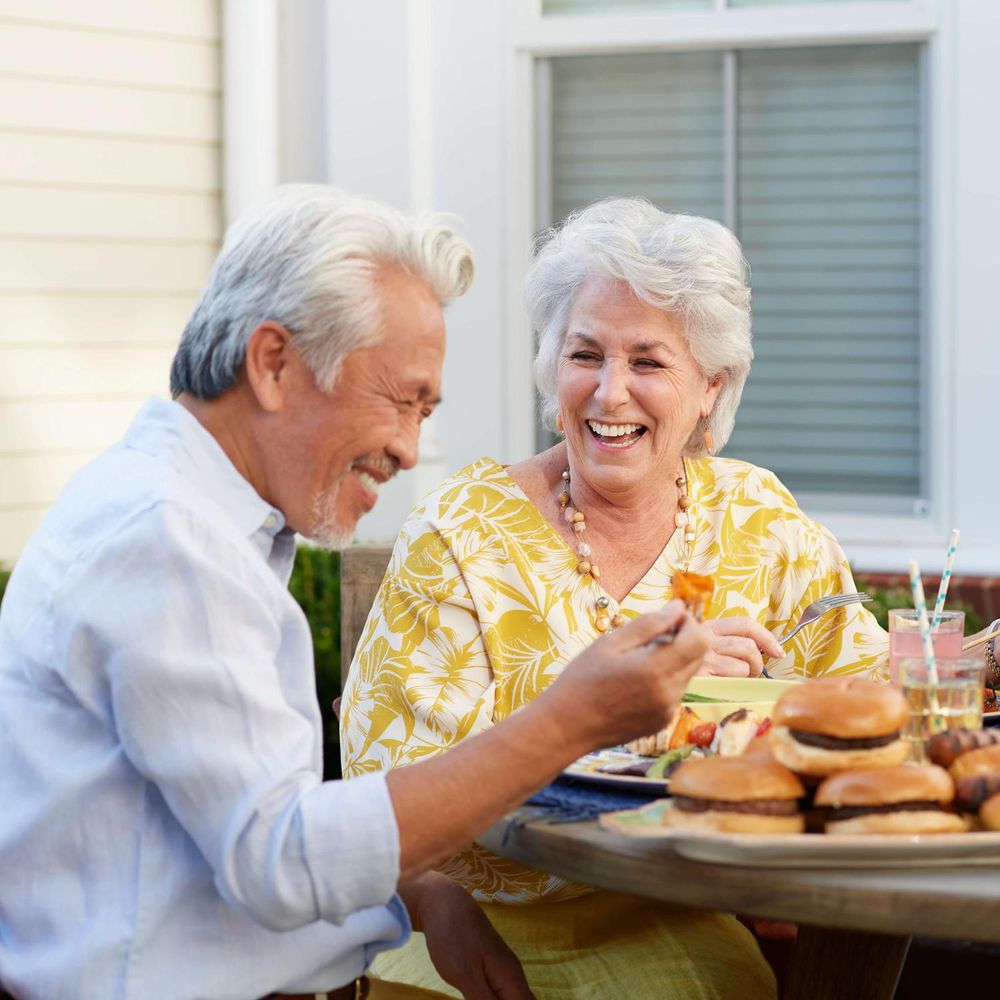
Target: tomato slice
{"type": "Point", "coordinates": [765, 725]}
{"type": "Point", "coordinates": [703, 734]}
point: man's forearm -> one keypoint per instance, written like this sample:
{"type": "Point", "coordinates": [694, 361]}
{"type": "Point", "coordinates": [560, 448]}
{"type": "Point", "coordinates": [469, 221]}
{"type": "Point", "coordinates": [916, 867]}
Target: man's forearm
{"type": "Point", "coordinates": [443, 803]}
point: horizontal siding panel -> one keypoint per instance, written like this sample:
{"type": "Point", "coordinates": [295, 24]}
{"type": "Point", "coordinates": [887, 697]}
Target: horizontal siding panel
{"type": "Point", "coordinates": [81, 371]}
{"type": "Point", "coordinates": [180, 18]}
{"type": "Point", "coordinates": [120, 164]}
{"type": "Point", "coordinates": [54, 52]}
{"type": "Point", "coordinates": [796, 397]}
{"type": "Point", "coordinates": [92, 319]}
{"type": "Point", "coordinates": [36, 266]}
{"type": "Point", "coordinates": [771, 413]}
{"type": "Point", "coordinates": [551, 7]}
{"type": "Point", "coordinates": [32, 479]}
{"type": "Point", "coordinates": [39, 426]}
{"type": "Point", "coordinates": [110, 215]}
{"type": "Point", "coordinates": [108, 110]}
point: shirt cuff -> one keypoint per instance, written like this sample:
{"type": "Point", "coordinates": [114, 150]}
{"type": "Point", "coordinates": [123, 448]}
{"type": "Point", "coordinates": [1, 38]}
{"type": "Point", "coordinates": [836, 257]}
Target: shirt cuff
{"type": "Point", "coordinates": [350, 844]}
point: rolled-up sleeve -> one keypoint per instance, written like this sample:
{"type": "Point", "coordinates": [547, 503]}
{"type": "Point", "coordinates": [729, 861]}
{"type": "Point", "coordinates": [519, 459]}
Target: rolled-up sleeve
{"type": "Point", "coordinates": [205, 686]}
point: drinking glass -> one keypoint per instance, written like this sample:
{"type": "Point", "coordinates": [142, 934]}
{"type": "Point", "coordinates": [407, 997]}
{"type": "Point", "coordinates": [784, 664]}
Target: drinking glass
{"type": "Point", "coordinates": [904, 637]}
{"type": "Point", "coordinates": [954, 702]}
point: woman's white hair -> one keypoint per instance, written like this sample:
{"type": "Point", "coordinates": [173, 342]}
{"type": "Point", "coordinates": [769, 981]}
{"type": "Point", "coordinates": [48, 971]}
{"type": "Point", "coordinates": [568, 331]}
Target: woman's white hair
{"type": "Point", "coordinates": [309, 259]}
{"type": "Point", "coordinates": [685, 265]}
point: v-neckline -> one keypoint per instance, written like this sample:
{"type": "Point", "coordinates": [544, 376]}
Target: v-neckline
{"type": "Point", "coordinates": [635, 593]}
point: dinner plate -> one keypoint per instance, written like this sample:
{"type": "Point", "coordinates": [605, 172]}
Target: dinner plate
{"type": "Point", "coordinates": [586, 770]}
{"type": "Point", "coordinates": [808, 850]}
{"type": "Point", "coordinates": [732, 693]}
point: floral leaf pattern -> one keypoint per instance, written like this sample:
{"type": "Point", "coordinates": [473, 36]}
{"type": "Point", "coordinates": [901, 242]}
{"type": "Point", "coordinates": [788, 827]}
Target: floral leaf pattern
{"type": "Point", "coordinates": [482, 607]}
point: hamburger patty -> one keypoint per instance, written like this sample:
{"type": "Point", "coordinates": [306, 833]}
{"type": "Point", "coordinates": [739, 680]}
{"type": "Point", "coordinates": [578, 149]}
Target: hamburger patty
{"type": "Point", "coordinates": [851, 812]}
{"type": "Point", "coordinates": [760, 807]}
{"type": "Point", "coordinates": [836, 743]}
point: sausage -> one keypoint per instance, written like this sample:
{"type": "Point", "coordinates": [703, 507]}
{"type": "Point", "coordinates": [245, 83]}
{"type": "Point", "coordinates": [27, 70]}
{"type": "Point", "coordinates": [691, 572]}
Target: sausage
{"type": "Point", "coordinates": [943, 748]}
{"type": "Point", "coordinates": [971, 793]}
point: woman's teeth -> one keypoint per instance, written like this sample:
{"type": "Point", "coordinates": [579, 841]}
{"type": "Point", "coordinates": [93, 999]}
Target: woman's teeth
{"type": "Point", "coordinates": [616, 435]}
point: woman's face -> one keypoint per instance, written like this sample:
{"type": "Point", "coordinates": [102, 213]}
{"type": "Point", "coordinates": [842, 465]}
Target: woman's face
{"type": "Point", "coordinates": [629, 391]}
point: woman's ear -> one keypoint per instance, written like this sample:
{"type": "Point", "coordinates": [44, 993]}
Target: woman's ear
{"type": "Point", "coordinates": [267, 364]}
{"type": "Point", "coordinates": [559, 424]}
{"type": "Point", "coordinates": [712, 389]}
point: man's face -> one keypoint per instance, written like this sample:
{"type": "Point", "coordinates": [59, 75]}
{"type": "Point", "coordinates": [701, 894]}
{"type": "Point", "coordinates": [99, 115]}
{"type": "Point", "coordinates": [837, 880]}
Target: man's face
{"type": "Point", "coordinates": [337, 448]}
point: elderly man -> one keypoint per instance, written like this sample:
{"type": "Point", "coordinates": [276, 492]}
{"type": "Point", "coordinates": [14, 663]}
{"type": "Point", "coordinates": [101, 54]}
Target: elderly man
{"type": "Point", "coordinates": [165, 830]}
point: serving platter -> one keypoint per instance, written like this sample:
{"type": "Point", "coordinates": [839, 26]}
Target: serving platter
{"type": "Point", "coordinates": [586, 769]}
{"type": "Point", "coordinates": [808, 850]}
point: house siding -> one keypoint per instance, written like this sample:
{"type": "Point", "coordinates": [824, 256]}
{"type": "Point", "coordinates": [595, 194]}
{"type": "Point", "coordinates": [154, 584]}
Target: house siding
{"type": "Point", "coordinates": [110, 216]}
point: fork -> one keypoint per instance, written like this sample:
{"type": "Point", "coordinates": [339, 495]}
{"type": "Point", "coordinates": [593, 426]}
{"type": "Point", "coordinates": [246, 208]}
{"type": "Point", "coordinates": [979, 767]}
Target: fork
{"type": "Point", "coordinates": [819, 608]}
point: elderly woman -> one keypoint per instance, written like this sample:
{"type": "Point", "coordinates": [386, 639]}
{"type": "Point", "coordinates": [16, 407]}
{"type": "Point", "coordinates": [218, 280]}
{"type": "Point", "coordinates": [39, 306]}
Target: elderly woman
{"type": "Point", "coordinates": [502, 574]}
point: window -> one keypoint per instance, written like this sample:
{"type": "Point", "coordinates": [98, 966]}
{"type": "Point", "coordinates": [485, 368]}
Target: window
{"type": "Point", "coordinates": [813, 156]}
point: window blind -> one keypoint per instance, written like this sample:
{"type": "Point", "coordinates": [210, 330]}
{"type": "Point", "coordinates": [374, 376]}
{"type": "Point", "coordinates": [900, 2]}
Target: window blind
{"type": "Point", "coordinates": [647, 125]}
{"type": "Point", "coordinates": [621, 6]}
{"type": "Point", "coordinates": [828, 210]}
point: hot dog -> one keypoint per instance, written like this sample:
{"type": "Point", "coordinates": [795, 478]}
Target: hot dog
{"type": "Point", "coordinates": [944, 748]}
{"type": "Point", "coordinates": [971, 793]}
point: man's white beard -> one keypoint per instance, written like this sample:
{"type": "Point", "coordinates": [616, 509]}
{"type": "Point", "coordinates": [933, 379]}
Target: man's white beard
{"type": "Point", "coordinates": [324, 530]}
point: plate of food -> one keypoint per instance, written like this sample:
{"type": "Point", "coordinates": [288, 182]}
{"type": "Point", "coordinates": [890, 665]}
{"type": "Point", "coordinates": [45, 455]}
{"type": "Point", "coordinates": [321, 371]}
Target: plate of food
{"type": "Point", "coordinates": [806, 850]}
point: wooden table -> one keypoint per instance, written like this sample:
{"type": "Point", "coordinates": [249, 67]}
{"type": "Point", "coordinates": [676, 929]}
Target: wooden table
{"type": "Point", "coordinates": [855, 924]}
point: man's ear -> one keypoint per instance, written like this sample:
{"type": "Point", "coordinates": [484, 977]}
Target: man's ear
{"type": "Point", "coordinates": [267, 364]}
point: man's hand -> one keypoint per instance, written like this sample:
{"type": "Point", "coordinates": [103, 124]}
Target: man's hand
{"type": "Point", "coordinates": [465, 949]}
{"type": "Point", "coordinates": [737, 645]}
{"type": "Point", "coordinates": [624, 686]}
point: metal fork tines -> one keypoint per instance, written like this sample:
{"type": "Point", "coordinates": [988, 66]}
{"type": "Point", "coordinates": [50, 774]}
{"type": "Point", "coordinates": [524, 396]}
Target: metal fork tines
{"type": "Point", "coordinates": [821, 607]}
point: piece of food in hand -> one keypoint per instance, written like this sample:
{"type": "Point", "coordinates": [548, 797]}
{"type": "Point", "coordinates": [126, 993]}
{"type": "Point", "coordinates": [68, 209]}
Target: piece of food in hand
{"type": "Point", "coordinates": [901, 799]}
{"type": "Point", "coordinates": [735, 732]}
{"type": "Point", "coordinates": [735, 795]}
{"type": "Point", "coordinates": [838, 723]}
{"type": "Point", "coordinates": [989, 813]}
{"type": "Point", "coordinates": [945, 748]}
{"type": "Point", "coordinates": [694, 590]}
{"type": "Point", "coordinates": [984, 760]}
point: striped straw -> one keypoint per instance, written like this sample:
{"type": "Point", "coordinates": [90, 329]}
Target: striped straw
{"type": "Point", "coordinates": [949, 561]}
{"type": "Point", "coordinates": [920, 603]}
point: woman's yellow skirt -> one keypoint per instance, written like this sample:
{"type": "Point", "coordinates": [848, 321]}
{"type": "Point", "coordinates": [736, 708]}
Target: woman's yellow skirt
{"type": "Point", "coordinates": [609, 945]}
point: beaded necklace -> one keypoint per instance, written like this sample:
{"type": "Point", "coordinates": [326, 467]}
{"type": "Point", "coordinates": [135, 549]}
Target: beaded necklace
{"type": "Point", "coordinates": [586, 566]}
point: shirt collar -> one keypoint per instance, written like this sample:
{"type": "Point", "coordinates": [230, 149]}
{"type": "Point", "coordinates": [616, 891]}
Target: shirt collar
{"type": "Point", "coordinates": [168, 430]}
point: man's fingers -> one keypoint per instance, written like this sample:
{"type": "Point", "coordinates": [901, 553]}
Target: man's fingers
{"type": "Point", "coordinates": [648, 627]}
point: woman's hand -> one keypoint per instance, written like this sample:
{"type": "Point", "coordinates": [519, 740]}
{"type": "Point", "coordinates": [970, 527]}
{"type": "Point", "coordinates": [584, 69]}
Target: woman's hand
{"type": "Point", "coordinates": [737, 647]}
{"type": "Point", "coordinates": [465, 949]}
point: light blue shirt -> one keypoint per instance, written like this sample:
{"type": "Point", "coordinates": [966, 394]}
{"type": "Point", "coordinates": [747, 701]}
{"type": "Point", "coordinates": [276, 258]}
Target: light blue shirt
{"type": "Point", "coordinates": [164, 827]}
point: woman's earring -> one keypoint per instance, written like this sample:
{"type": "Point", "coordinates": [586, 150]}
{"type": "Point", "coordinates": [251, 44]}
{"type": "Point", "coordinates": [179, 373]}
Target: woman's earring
{"type": "Point", "coordinates": [708, 437]}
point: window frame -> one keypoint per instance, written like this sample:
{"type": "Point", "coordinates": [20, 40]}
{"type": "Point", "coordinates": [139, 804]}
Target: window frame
{"type": "Point", "coordinates": [534, 38]}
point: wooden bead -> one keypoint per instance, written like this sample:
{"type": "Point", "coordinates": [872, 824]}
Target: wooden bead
{"type": "Point", "coordinates": [595, 573]}
{"type": "Point", "coordinates": [578, 517]}
{"type": "Point", "coordinates": [680, 519]}
{"type": "Point", "coordinates": [563, 499]}
{"type": "Point", "coordinates": [684, 502]}
{"type": "Point", "coordinates": [583, 567]}
{"type": "Point", "coordinates": [681, 482]}
{"type": "Point", "coordinates": [603, 623]}
{"type": "Point", "coordinates": [618, 621]}
{"type": "Point", "coordinates": [568, 514]}
{"type": "Point", "coordinates": [579, 527]}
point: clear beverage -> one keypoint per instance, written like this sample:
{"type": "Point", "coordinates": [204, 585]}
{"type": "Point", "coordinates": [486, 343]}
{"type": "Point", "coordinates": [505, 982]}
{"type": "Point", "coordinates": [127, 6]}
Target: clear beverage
{"type": "Point", "coordinates": [904, 638]}
{"type": "Point", "coordinates": [954, 702]}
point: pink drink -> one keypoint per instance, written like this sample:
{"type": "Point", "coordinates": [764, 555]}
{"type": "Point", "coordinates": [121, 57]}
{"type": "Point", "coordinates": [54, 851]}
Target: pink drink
{"type": "Point", "coordinates": [904, 638]}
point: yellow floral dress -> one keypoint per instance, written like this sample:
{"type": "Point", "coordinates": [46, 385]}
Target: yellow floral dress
{"type": "Point", "coordinates": [482, 607]}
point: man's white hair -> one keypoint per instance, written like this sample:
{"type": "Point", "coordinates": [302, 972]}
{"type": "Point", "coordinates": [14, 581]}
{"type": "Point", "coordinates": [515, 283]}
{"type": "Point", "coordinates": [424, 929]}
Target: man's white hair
{"type": "Point", "coordinates": [685, 265]}
{"type": "Point", "coordinates": [309, 259]}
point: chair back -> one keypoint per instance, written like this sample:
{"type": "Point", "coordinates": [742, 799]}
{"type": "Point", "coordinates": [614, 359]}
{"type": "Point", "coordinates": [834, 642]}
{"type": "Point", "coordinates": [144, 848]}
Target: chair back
{"type": "Point", "coordinates": [362, 568]}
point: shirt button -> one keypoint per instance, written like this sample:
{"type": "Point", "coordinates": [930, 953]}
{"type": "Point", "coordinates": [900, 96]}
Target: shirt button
{"type": "Point", "coordinates": [270, 521]}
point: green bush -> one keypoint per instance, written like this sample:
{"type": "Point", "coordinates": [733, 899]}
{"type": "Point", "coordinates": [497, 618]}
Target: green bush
{"type": "Point", "coordinates": [4, 577]}
{"type": "Point", "coordinates": [315, 584]}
